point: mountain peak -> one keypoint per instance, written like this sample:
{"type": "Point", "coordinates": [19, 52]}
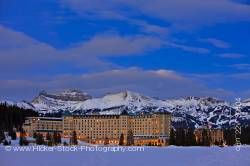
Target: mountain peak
{"type": "Point", "coordinates": [126, 96]}
{"type": "Point", "coordinates": [191, 111]}
{"type": "Point", "coordinates": [205, 99]}
{"type": "Point", "coordinates": [66, 95]}
{"type": "Point", "coordinates": [74, 92]}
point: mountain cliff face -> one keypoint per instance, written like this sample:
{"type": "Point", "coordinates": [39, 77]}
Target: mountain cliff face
{"type": "Point", "coordinates": [187, 112]}
{"type": "Point", "coordinates": [64, 101]}
{"type": "Point", "coordinates": [134, 102]}
{"type": "Point", "coordinates": [67, 95]}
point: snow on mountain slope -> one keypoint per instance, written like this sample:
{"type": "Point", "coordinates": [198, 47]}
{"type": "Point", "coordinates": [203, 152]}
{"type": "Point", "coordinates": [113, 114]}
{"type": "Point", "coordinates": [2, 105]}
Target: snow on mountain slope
{"type": "Point", "coordinates": [246, 102]}
{"type": "Point", "coordinates": [188, 112]}
{"type": "Point", "coordinates": [49, 105]}
{"type": "Point", "coordinates": [67, 95]}
{"type": "Point", "coordinates": [64, 101]}
{"type": "Point", "coordinates": [22, 104]}
{"type": "Point", "coordinates": [133, 101]}
{"type": "Point", "coordinates": [195, 111]}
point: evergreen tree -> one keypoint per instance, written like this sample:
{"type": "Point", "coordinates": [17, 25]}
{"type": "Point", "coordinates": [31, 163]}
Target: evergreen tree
{"type": "Point", "coordinates": [106, 141]}
{"type": "Point", "coordinates": [190, 138]}
{"type": "Point", "coordinates": [13, 117]}
{"type": "Point", "coordinates": [50, 143]}
{"type": "Point", "coordinates": [73, 139]}
{"type": "Point", "coordinates": [59, 138]}
{"type": "Point", "coordinates": [56, 138]}
{"type": "Point", "coordinates": [130, 138]}
{"type": "Point", "coordinates": [39, 139]}
{"type": "Point", "coordinates": [221, 143]}
{"type": "Point", "coordinates": [2, 136]}
{"type": "Point", "coordinates": [5, 143]}
{"type": "Point", "coordinates": [217, 143]}
{"type": "Point", "coordinates": [65, 143]}
{"type": "Point", "coordinates": [121, 141]}
{"type": "Point", "coordinates": [22, 139]}
{"type": "Point", "coordinates": [172, 139]}
{"type": "Point", "coordinates": [245, 135]}
{"type": "Point", "coordinates": [49, 139]}
{"type": "Point", "coordinates": [229, 136]}
{"type": "Point", "coordinates": [13, 134]}
{"type": "Point", "coordinates": [206, 138]}
{"type": "Point", "coordinates": [180, 137]}
{"type": "Point", "coordinates": [34, 135]}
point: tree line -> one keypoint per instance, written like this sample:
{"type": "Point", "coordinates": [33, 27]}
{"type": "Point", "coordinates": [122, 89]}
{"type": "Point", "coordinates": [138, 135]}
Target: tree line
{"type": "Point", "coordinates": [186, 137]}
{"type": "Point", "coordinates": [13, 117]}
{"type": "Point", "coordinates": [242, 135]}
{"type": "Point", "coordinates": [182, 137]}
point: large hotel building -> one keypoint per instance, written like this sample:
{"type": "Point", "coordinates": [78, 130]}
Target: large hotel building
{"type": "Point", "coordinates": [145, 129]}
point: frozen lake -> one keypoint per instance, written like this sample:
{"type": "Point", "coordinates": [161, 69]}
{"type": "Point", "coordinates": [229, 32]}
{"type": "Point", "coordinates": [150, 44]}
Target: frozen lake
{"type": "Point", "coordinates": [174, 156]}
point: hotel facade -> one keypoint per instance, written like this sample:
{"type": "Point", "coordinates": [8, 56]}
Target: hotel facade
{"type": "Point", "coordinates": [42, 125]}
{"type": "Point", "coordinates": [145, 129]}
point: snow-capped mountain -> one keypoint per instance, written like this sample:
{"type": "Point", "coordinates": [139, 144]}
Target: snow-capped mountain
{"type": "Point", "coordinates": [246, 102]}
{"type": "Point", "coordinates": [133, 102]}
{"type": "Point", "coordinates": [194, 111]}
{"type": "Point", "coordinates": [67, 95]}
{"type": "Point", "coordinates": [64, 101]}
{"type": "Point", "coordinates": [22, 104]}
{"type": "Point", "coordinates": [188, 112]}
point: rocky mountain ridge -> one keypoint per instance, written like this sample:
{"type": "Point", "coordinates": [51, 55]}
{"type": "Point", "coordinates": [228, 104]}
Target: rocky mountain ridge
{"type": "Point", "coordinates": [188, 112]}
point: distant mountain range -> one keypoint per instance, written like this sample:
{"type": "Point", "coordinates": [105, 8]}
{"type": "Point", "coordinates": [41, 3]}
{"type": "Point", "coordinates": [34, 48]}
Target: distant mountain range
{"type": "Point", "coordinates": [191, 112]}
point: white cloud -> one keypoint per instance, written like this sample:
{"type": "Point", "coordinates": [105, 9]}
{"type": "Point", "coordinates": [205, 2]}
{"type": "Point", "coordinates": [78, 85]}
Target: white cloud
{"type": "Point", "coordinates": [197, 11]}
{"type": "Point", "coordinates": [17, 48]}
{"type": "Point", "coordinates": [193, 49]}
{"type": "Point", "coordinates": [157, 83]}
{"type": "Point", "coordinates": [116, 45]}
{"type": "Point", "coordinates": [217, 43]}
{"type": "Point", "coordinates": [232, 55]}
{"type": "Point", "coordinates": [191, 12]}
{"type": "Point", "coordinates": [241, 66]}
{"type": "Point", "coordinates": [20, 52]}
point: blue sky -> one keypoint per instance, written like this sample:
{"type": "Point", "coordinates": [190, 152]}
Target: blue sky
{"type": "Point", "coordinates": [159, 48]}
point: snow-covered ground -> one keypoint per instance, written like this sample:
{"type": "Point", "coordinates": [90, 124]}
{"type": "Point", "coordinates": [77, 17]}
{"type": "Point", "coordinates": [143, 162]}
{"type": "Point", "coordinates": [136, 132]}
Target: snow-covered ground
{"type": "Point", "coordinates": [151, 156]}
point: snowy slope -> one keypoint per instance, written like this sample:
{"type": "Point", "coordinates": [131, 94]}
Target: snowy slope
{"type": "Point", "coordinates": [196, 111]}
{"type": "Point", "coordinates": [246, 102]}
{"type": "Point", "coordinates": [173, 156]}
{"type": "Point", "coordinates": [64, 101]}
{"type": "Point", "coordinates": [186, 112]}
{"type": "Point", "coordinates": [131, 100]}
{"type": "Point", "coordinates": [22, 104]}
